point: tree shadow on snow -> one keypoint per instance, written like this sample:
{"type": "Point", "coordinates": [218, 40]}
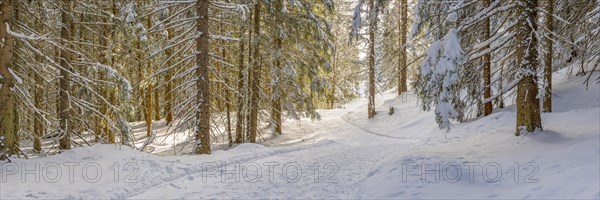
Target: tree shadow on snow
{"type": "Point", "coordinates": [547, 136]}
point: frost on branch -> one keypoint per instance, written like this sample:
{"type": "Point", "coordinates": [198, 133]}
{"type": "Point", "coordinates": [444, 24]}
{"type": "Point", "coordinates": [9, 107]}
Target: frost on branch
{"type": "Point", "coordinates": [129, 13]}
{"type": "Point", "coordinates": [113, 74]}
{"type": "Point", "coordinates": [439, 81]}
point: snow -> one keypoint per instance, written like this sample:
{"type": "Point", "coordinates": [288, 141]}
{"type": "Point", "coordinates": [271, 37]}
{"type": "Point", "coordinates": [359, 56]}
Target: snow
{"type": "Point", "coordinates": [18, 35]}
{"type": "Point", "coordinates": [113, 74]}
{"type": "Point", "coordinates": [17, 78]}
{"type": "Point", "coordinates": [129, 12]}
{"type": "Point", "coordinates": [347, 156]}
{"type": "Point", "coordinates": [440, 81]}
{"type": "Point", "coordinates": [356, 20]}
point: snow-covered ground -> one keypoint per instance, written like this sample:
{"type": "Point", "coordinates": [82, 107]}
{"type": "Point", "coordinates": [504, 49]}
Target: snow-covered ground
{"type": "Point", "coordinates": [346, 155]}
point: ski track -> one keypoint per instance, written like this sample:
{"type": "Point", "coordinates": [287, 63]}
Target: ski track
{"type": "Point", "coordinates": [374, 133]}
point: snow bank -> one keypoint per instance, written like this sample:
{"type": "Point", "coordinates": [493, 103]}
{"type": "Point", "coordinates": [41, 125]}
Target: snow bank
{"type": "Point", "coordinates": [483, 158]}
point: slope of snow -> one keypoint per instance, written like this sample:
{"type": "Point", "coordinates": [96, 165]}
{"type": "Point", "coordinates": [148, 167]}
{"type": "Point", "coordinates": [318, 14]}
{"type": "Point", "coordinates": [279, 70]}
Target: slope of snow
{"type": "Point", "coordinates": [346, 155]}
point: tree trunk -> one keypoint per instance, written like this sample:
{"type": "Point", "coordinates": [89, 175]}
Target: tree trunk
{"type": "Point", "coordinates": [156, 105]}
{"type": "Point", "coordinates": [547, 104]}
{"type": "Point", "coordinates": [202, 84]}
{"type": "Point", "coordinates": [402, 65]}
{"type": "Point", "coordinates": [276, 103]}
{"type": "Point", "coordinates": [38, 126]}
{"type": "Point", "coordinates": [500, 99]}
{"type": "Point", "coordinates": [255, 75]}
{"type": "Point", "coordinates": [248, 82]}
{"type": "Point", "coordinates": [7, 98]}
{"type": "Point", "coordinates": [487, 108]}
{"type": "Point", "coordinates": [528, 109]}
{"type": "Point", "coordinates": [110, 92]}
{"type": "Point", "coordinates": [65, 78]}
{"type": "Point", "coordinates": [149, 107]}
{"type": "Point", "coordinates": [226, 90]}
{"type": "Point", "coordinates": [333, 78]}
{"type": "Point", "coordinates": [101, 124]}
{"type": "Point", "coordinates": [372, 28]}
{"type": "Point", "coordinates": [276, 87]}
{"type": "Point", "coordinates": [239, 126]}
{"type": "Point", "coordinates": [39, 129]}
{"type": "Point", "coordinates": [168, 76]}
{"type": "Point", "coordinates": [109, 133]}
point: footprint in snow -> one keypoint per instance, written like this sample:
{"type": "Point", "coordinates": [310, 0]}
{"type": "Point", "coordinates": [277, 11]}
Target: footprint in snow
{"type": "Point", "coordinates": [395, 195]}
{"type": "Point", "coordinates": [175, 186]}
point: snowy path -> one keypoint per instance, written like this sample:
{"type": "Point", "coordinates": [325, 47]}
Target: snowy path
{"type": "Point", "coordinates": [343, 164]}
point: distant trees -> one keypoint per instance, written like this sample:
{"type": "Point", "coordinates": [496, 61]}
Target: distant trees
{"type": "Point", "coordinates": [371, 56]}
{"type": "Point", "coordinates": [402, 39]}
{"type": "Point", "coordinates": [374, 7]}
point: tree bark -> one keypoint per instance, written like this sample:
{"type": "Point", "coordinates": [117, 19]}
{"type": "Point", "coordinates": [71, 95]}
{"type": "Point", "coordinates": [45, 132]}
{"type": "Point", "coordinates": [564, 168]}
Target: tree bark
{"type": "Point", "coordinates": [402, 65]}
{"type": "Point", "coordinates": [149, 107]}
{"type": "Point", "coordinates": [548, 23]}
{"type": "Point", "coordinates": [226, 91]}
{"type": "Point", "coordinates": [276, 87]}
{"type": "Point", "coordinates": [528, 109]}
{"type": "Point", "coordinates": [101, 124]}
{"type": "Point", "coordinates": [38, 127]}
{"type": "Point", "coordinates": [168, 76]}
{"type": "Point", "coordinates": [331, 98]}
{"type": "Point", "coordinates": [372, 28]}
{"type": "Point", "coordinates": [239, 126]}
{"type": "Point", "coordinates": [487, 108]}
{"type": "Point", "coordinates": [7, 80]}
{"type": "Point", "coordinates": [247, 94]}
{"type": "Point", "coordinates": [156, 105]}
{"type": "Point", "coordinates": [253, 130]}
{"type": "Point", "coordinates": [277, 92]}
{"type": "Point", "coordinates": [203, 82]}
{"type": "Point", "coordinates": [65, 78]}
{"type": "Point", "coordinates": [109, 133]}
{"type": "Point", "coordinates": [110, 92]}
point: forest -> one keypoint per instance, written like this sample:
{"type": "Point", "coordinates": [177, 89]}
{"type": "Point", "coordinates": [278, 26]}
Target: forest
{"type": "Point", "coordinates": [188, 77]}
